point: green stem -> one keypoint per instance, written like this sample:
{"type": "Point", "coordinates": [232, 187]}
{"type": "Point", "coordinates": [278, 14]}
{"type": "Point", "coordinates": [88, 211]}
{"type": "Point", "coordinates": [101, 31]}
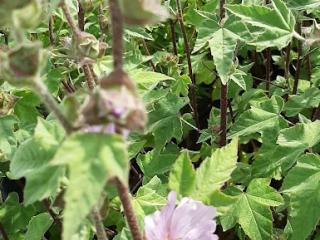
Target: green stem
{"type": "Point", "coordinates": [51, 104]}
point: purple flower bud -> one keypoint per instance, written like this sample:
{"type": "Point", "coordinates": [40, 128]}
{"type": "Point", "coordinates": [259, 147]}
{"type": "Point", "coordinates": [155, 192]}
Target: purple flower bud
{"type": "Point", "coordinates": [190, 220]}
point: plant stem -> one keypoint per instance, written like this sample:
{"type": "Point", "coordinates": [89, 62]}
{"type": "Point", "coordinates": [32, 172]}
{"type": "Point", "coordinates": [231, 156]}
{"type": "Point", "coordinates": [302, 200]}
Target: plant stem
{"type": "Point", "coordinates": [223, 114]}
{"type": "Point", "coordinates": [117, 34]}
{"type": "Point", "coordinates": [88, 76]}
{"type": "Point", "coordinates": [193, 98]}
{"type": "Point", "coordinates": [223, 94]}
{"type": "Point", "coordinates": [55, 217]}
{"type": "Point", "coordinates": [287, 63]}
{"type": "Point", "coordinates": [67, 86]}
{"type": "Point", "coordinates": [316, 115]}
{"type": "Point", "coordinates": [102, 25]}
{"type": "Point", "coordinates": [51, 34]}
{"type": "Point", "coordinates": [124, 195]}
{"type": "Point", "coordinates": [268, 70]}
{"type": "Point", "coordinates": [76, 31]}
{"type": "Point", "coordinates": [94, 75]}
{"type": "Point", "coordinates": [100, 231]}
{"type": "Point", "coordinates": [3, 232]}
{"type": "Point", "coordinates": [298, 66]}
{"type": "Point", "coordinates": [174, 36]}
{"type": "Point", "coordinates": [81, 13]}
{"type": "Point", "coordinates": [148, 52]}
{"type": "Point", "coordinates": [51, 104]}
{"type": "Point", "coordinates": [309, 67]}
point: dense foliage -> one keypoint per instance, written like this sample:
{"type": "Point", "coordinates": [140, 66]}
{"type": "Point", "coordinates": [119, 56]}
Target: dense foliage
{"type": "Point", "coordinates": [225, 109]}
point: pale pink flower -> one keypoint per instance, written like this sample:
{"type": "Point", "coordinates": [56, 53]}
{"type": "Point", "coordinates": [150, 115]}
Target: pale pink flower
{"type": "Point", "coordinates": [190, 220]}
{"type": "Point", "coordinates": [106, 129]}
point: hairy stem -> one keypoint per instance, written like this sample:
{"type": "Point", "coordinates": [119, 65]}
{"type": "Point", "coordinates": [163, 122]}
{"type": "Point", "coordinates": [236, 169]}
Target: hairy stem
{"type": "Point", "coordinates": [76, 31]}
{"type": "Point", "coordinates": [51, 34]}
{"type": "Point", "coordinates": [223, 114]}
{"type": "Point", "coordinates": [94, 75]}
{"type": "Point", "coordinates": [88, 76]}
{"type": "Point", "coordinates": [174, 36]}
{"type": "Point", "coordinates": [193, 98]}
{"type": "Point", "coordinates": [100, 231]}
{"type": "Point", "coordinates": [148, 52]}
{"type": "Point", "coordinates": [117, 34]}
{"type": "Point", "coordinates": [223, 95]}
{"type": "Point", "coordinates": [298, 66]}
{"type": "Point", "coordinates": [309, 67]}
{"type": "Point", "coordinates": [81, 14]}
{"type": "Point", "coordinates": [51, 104]}
{"type": "Point", "coordinates": [316, 114]}
{"type": "Point", "coordinates": [124, 195]}
{"type": "Point", "coordinates": [55, 217]}
{"type": "Point", "coordinates": [268, 71]}
{"type": "Point", "coordinates": [287, 63]}
{"type": "Point", "coordinates": [102, 25]}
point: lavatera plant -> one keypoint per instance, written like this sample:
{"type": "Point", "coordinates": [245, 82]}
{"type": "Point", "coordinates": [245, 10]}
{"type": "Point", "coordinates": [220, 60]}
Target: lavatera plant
{"type": "Point", "coordinates": [159, 120]}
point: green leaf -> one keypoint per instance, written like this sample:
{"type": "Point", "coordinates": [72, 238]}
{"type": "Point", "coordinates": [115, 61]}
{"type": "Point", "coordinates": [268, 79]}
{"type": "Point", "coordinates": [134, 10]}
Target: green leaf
{"type": "Point", "coordinates": [14, 216]}
{"type": "Point", "coordinates": [309, 99]}
{"type": "Point", "coordinates": [303, 188]}
{"type": "Point", "coordinates": [252, 210]}
{"type": "Point", "coordinates": [148, 199]}
{"type": "Point", "coordinates": [91, 159]}
{"type": "Point", "coordinates": [32, 158]}
{"type": "Point", "coordinates": [303, 4]}
{"type": "Point", "coordinates": [222, 45]}
{"type": "Point", "coordinates": [305, 135]}
{"type": "Point", "coordinates": [7, 138]}
{"type": "Point", "coordinates": [279, 154]}
{"type": "Point", "coordinates": [253, 121]}
{"type": "Point", "coordinates": [216, 170]}
{"type": "Point", "coordinates": [278, 23]}
{"type": "Point", "coordinates": [182, 176]}
{"type": "Point", "coordinates": [181, 85]}
{"type": "Point", "coordinates": [25, 108]}
{"type": "Point", "coordinates": [262, 115]}
{"type": "Point", "coordinates": [205, 32]}
{"type": "Point", "coordinates": [145, 77]}
{"type": "Point", "coordinates": [139, 32]}
{"type": "Point", "coordinates": [164, 119]}
{"type": "Point", "coordinates": [38, 226]}
{"type": "Point", "coordinates": [43, 183]}
{"type": "Point", "coordinates": [156, 163]}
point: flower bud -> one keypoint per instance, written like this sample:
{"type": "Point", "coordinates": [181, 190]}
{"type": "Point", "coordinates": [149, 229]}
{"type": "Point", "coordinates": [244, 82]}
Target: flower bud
{"type": "Point", "coordinates": [21, 65]}
{"type": "Point", "coordinates": [86, 46]}
{"type": "Point", "coordinates": [115, 102]}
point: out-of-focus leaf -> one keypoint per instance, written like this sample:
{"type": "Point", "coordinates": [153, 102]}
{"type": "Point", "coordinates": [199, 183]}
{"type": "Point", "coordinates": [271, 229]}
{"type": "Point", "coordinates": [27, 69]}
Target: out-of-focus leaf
{"type": "Point", "coordinates": [91, 159]}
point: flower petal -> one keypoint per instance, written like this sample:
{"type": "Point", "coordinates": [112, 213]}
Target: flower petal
{"type": "Point", "coordinates": [157, 225]}
{"type": "Point", "coordinates": [192, 218]}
